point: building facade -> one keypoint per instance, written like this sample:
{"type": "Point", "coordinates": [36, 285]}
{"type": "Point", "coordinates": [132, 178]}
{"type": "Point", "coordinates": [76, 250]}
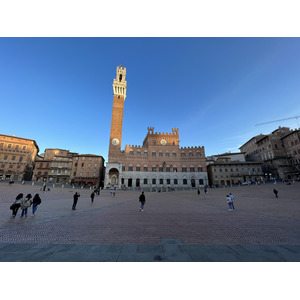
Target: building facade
{"type": "Point", "coordinates": [232, 168]}
{"type": "Point", "coordinates": [87, 170]}
{"type": "Point", "coordinates": [17, 157]}
{"type": "Point", "coordinates": [54, 166]}
{"type": "Point", "coordinates": [158, 163]}
{"type": "Point", "coordinates": [270, 150]}
{"type": "Point", "coordinates": [64, 167]}
{"type": "Point", "coordinates": [291, 143]}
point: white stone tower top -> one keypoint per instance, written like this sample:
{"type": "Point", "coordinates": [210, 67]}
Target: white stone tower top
{"type": "Point", "coordinates": [120, 84]}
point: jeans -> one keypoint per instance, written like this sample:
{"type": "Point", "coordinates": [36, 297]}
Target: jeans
{"type": "Point", "coordinates": [24, 212]}
{"type": "Point", "coordinates": [34, 208]}
{"type": "Point", "coordinates": [142, 205]}
{"type": "Point", "coordinates": [229, 205]}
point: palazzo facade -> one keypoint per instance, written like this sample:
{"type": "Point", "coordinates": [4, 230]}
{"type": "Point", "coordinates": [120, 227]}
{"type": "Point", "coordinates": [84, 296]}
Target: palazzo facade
{"type": "Point", "coordinates": [160, 163]}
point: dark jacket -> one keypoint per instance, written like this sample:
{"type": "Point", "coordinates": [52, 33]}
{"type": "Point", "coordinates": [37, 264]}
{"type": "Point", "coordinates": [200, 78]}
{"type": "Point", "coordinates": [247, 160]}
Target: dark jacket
{"type": "Point", "coordinates": [36, 199]}
{"type": "Point", "coordinates": [142, 198]}
{"type": "Point", "coordinates": [76, 196]}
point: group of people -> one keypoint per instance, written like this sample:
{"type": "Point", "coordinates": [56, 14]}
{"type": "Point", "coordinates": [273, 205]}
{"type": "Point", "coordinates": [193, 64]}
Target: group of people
{"type": "Point", "coordinates": [205, 191]}
{"type": "Point", "coordinates": [25, 203]}
{"type": "Point", "coordinates": [230, 202]}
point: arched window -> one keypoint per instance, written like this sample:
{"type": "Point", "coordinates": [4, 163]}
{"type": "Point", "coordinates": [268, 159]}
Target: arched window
{"type": "Point", "coordinates": [145, 168]}
{"type": "Point", "coordinates": [184, 169]}
{"type": "Point", "coordinates": [191, 154]}
{"type": "Point", "coordinates": [138, 168]}
{"type": "Point", "coordinates": [153, 181]}
{"type": "Point", "coordinates": [198, 154]}
{"type": "Point", "coordinates": [145, 181]}
{"type": "Point", "coordinates": [184, 181]}
{"type": "Point", "coordinates": [192, 169]}
{"type": "Point", "coordinates": [130, 168]}
{"type": "Point", "coordinates": [131, 152]}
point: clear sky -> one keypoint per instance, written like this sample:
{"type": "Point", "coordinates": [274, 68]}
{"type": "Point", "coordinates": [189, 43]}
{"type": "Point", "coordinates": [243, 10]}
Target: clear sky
{"type": "Point", "coordinates": [58, 91]}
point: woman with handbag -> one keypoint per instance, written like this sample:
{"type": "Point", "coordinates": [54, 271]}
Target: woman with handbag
{"type": "Point", "coordinates": [25, 203]}
{"type": "Point", "coordinates": [16, 205]}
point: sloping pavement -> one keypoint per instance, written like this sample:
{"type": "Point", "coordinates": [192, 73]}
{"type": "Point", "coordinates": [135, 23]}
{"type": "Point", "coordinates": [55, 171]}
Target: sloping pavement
{"type": "Point", "coordinates": [174, 227]}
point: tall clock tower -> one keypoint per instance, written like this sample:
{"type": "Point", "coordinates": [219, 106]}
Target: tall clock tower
{"type": "Point", "coordinates": [119, 90]}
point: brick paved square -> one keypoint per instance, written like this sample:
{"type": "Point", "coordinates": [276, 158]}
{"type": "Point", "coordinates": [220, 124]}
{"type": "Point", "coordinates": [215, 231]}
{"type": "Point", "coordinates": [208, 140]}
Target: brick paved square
{"type": "Point", "coordinates": [169, 221]}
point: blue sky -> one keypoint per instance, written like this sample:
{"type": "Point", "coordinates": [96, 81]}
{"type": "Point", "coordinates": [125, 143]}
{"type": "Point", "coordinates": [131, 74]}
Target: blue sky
{"type": "Point", "coordinates": [58, 91]}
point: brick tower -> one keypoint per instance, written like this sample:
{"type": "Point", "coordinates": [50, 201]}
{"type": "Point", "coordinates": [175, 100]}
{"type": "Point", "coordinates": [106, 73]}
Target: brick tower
{"type": "Point", "coordinates": [119, 90]}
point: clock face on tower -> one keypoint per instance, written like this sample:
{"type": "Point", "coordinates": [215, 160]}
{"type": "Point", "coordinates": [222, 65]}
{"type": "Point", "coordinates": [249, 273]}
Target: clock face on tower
{"type": "Point", "coordinates": [163, 142]}
{"type": "Point", "coordinates": [115, 142]}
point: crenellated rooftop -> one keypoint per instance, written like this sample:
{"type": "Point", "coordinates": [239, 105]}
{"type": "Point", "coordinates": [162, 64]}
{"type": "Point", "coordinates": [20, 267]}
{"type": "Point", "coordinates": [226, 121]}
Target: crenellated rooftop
{"type": "Point", "coordinates": [175, 131]}
{"type": "Point", "coordinates": [192, 148]}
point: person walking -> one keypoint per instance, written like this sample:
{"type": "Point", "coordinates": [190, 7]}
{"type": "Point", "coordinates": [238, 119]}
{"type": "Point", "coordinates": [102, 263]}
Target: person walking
{"type": "Point", "coordinates": [16, 205]}
{"type": "Point", "coordinates": [142, 199]}
{"type": "Point", "coordinates": [25, 203]}
{"type": "Point", "coordinates": [35, 202]}
{"type": "Point", "coordinates": [232, 199]}
{"type": "Point", "coordinates": [229, 202]}
{"type": "Point", "coordinates": [275, 192]}
{"type": "Point", "coordinates": [92, 196]}
{"type": "Point", "coordinates": [198, 192]}
{"type": "Point", "coordinates": [75, 199]}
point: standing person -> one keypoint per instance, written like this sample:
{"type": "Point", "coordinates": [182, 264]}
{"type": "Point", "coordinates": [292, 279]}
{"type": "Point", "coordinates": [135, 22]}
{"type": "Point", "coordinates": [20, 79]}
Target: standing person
{"type": "Point", "coordinates": [142, 199]}
{"type": "Point", "coordinates": [205, 190]}
{"type": "Point", "coordinates": [275, 192]}
{"type": "Point", "coordinates": [44, 187]}
{"type": "Point", "coordinates": [16, 204]}
{"type": "Point", "coordinates": [25, 203]}
{"type": "Point", "coordinates": [232, 199]}
{"type": "Point", "coordinates": [229, 202]}
{"type": "Point", "coordinates": [198, 192]}
{"type": "Point", "coordinates": [75, 197]}
{"type": "Point", "coordinates": [35, 202]}
{"type": "Point", "coordinates": [92, 196]}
